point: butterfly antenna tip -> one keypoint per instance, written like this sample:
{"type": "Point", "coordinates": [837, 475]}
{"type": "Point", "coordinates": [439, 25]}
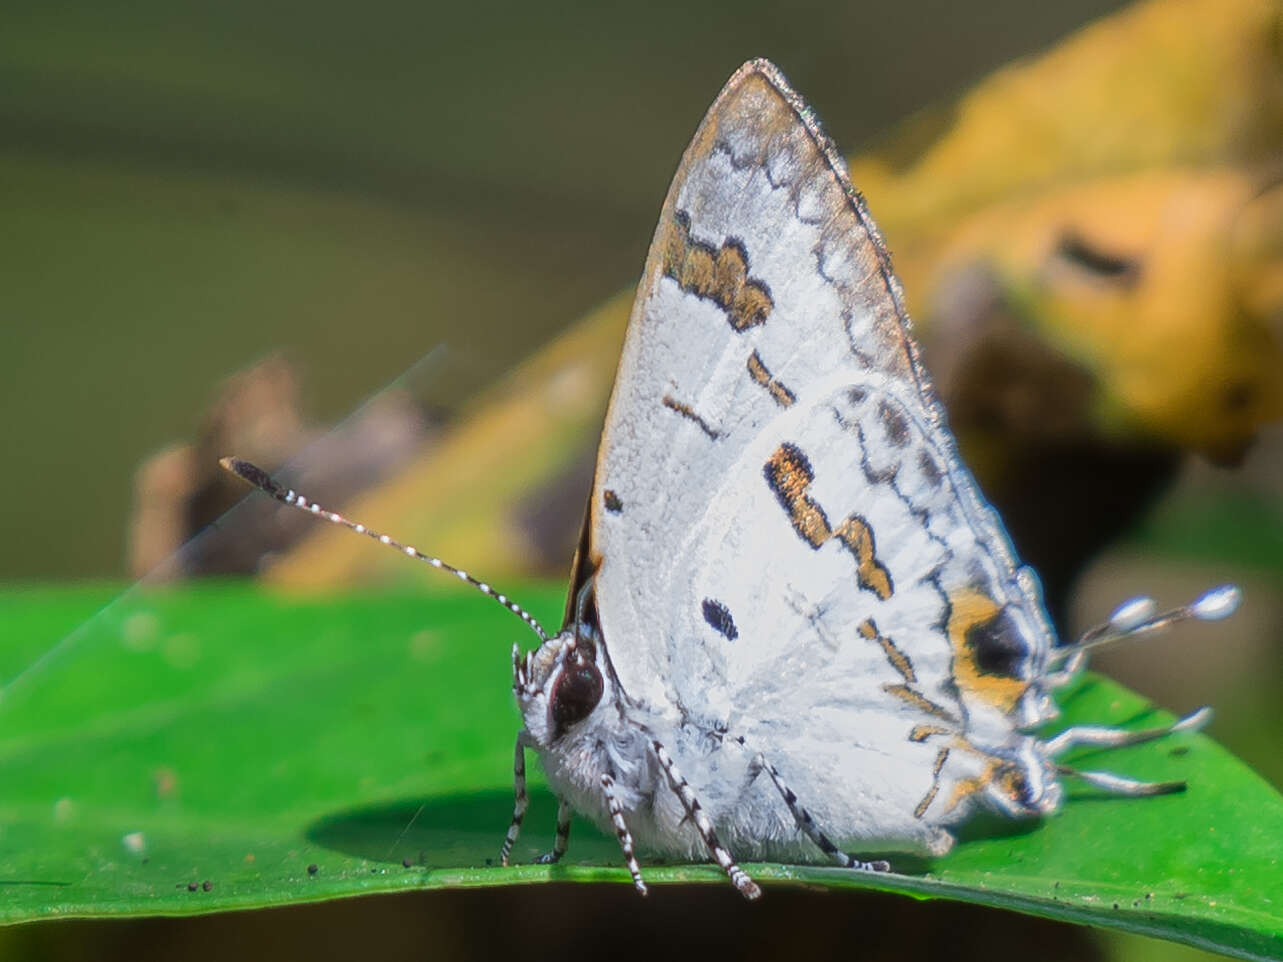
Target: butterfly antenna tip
{"type": "Point", "coordinates": [253, 474]}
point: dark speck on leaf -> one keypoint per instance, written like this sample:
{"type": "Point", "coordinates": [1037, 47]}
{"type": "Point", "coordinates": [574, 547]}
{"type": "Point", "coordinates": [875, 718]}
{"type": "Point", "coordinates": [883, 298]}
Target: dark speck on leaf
{"type": "Point", "coordinates": [312, 869]}
{"type": "Point", "coordinates": [207, 885]}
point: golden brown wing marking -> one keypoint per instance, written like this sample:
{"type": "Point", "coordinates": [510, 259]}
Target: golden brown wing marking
{"type": "Point", "coordinates": [1006, 776]}
{"type": "Point", "coordinates": [778, 392]}
{"type": "Point", "coordinates": [898, 659]}
{"type": "Point", "coordinates": [919, 701]}
{"type": "Point", "coordinates": [718, 274]}
{"type": "Point", "coordinates": [789, 474]}
{"type": "Point", "coordinates": [686, 411]}
{"type": "Point", "coordinates": [921, 733]}
{"type": "Point", "coordinates": [942, 756]}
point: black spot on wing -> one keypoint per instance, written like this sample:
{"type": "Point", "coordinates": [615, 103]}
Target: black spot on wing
{"type": "Point", "coordinates": [719, 616]}
{"type": "Point", "coordinates": [930, 470]}
{"type": "Point", "coordinates": [895, 424]}
{"type": "Point", "coordinates": [997, 647]}
{"type": "Point", "coordinates": [686, 411]}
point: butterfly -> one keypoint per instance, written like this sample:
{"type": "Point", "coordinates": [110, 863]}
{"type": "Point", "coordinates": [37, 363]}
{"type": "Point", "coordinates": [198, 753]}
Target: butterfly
{"type": "Point", "coordinates": [794, 627]}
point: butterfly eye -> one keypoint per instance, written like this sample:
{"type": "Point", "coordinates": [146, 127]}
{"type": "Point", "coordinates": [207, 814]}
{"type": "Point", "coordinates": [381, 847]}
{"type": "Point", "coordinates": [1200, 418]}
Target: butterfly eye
{"type": "Point", "coordinates": [575, 695]}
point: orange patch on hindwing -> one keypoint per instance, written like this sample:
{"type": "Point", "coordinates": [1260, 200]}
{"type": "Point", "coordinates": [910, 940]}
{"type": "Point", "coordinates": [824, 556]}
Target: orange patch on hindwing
{"type": "Point", "coordinates": [988, 651]}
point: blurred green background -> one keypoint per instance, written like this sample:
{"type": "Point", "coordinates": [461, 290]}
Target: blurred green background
{"type": "Point", "coordinates": [187, 188]}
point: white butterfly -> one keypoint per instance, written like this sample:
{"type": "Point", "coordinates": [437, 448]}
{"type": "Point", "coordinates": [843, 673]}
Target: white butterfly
{"type": "Point", "coordinates": [794, 626]}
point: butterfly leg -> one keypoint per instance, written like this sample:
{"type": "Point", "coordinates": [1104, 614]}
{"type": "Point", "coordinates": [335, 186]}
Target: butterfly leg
{"type": "Point", "coordinates": [625, 837]}
{"type": "Point", "coordinates": [739, 878]}
{"type": "Point", "coordinates": [807, 824]}
{"type": "Point", "coordinates": [521, 801]}
{"type": "Point", "coordinates": [1101, 737]}
{"type": "Point", "coordinates": [562, 841]}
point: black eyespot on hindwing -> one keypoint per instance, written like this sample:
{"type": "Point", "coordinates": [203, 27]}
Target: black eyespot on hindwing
{"type": "Point", "coordinates": [719, 617]}
{"type": "Point", "coordinates": [996, 646]}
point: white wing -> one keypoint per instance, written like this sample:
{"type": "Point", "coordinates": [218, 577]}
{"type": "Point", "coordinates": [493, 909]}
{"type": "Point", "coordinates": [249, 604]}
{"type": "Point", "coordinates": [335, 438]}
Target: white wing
{"type": "Point", "coordinates": [786, 543]}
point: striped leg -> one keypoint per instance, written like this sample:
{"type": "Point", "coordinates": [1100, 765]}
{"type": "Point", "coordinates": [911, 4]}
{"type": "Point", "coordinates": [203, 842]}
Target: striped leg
{"type": "Point", "coordinates": [807, 824]}
{"type": "Point", "coordinates": [739, 878]}
{"type": "Point", "coordinates": [621, 831]}
{"type": "Point", "coordinates": [562, 841]}
{"type": "Point", "coordinates": [521, 799]}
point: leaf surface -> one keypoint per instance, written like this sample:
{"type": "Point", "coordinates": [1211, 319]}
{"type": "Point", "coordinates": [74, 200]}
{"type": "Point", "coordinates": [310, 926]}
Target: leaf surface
{"type": "Point", "coordinates": [218, 747]}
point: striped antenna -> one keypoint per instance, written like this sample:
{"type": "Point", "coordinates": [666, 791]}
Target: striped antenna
{"type": "Point", "coordinates": [260, 479]}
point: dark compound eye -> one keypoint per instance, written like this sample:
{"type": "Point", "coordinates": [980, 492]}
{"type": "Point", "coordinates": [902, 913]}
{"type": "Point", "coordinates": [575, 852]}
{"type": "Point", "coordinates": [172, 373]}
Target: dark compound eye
{"type": "Point", "coordinates": [577, 692]}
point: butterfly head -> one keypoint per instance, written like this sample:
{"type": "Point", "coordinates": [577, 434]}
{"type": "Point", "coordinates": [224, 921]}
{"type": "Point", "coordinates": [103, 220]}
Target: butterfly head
{"type": "Point", "coordinates": [560, 684]}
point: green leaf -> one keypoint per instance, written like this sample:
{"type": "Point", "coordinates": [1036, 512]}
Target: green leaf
{"type": "Point", "coordinates": [223, 735]}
